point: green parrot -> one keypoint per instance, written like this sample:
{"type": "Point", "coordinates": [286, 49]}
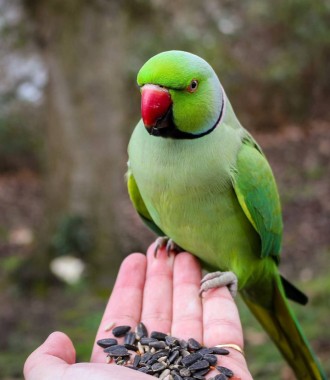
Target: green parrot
{"type": "Point", "coordinates": [196, 176]}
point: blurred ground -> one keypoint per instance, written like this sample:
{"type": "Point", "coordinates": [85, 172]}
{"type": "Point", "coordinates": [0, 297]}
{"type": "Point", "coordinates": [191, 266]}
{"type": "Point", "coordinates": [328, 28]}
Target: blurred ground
{"type": "Point", "coordinates": [300, 157]}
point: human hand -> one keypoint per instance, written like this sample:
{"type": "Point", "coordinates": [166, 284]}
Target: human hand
{"type": "Point", "coordinates": [164, 294]}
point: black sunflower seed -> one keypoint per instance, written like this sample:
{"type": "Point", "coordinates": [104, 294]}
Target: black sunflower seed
{"type": "Point", "coordinates": [144, 369]}
{"type": "Point", "coordinates": [119, 351]}
{"type": "Point", "coordinates": [158, 335]}
{"type": "Point", "coordinates": [145, 357]}
{"type": "Point", "coordinates": [151, 362]}
{"type": "Point", "coordinates": [176, 376]}
{"type": "Point", "coordinates": [104, 343]}
{"type": "Point", "coordinates": [141, 331]}
{"type": "Point", "coordinates": [171, 340]}
{"type": "Point", "coordinates": [176, 348]}
{"type": "Point", "coordinates": [130, 338]}
{"type": "Point", "coordinates": [120, 331]}
{"type": "Point", "coordinates": [159, 345]}
{"type": "Point", "coordinates": [202, 372]}
{"type": "Point", "coordinates": [226, 371]}
{"type": "Point", "coordinates": [160, 353]}
{"type": "Point", "coordinates": [115, 347]}
{"type": "Point", "coordinates": [136, 360]}
{"type": "Point", "coordinates": [200, 364]}
{"type": "Point", "coordinates": [221, 376]}
{"type": "Point", "coordinates": [173, 355]}
{"type": "Point", "coordinates": [205, 350]}
{"type": "Point", "coordinates": [212, 359]}
{"type": "Point", "coordinates": [190, 359]}
{"type": "Point", "coordinates": [219, 351]}
{"type": "Point", "coordinates": [199, 377]}
{"type": "Point", "coordinates": [146, 341]}
{"type": "Point", "coordinates": [183, 344]}
{"type": "Point", "coordinates": [193, 344]}
{"type": "Point", "coordinates": [159, 366]}
{"type": "Point", "coordinates": [131, 347]}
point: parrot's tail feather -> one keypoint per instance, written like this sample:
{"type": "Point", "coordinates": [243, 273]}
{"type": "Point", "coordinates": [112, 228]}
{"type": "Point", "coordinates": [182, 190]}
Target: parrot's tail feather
{"type": "Point", "coordinates": [293, 293]}
{"type": "Point", "coordinates": [283, 328]}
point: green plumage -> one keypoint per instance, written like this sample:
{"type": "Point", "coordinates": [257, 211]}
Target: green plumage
{"type": "Point", "coordinates": [216, 196]}
{"type": "Point", "coordinates": [258, 197]}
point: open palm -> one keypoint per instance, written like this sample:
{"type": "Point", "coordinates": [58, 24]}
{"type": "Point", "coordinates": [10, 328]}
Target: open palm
{"type": "Point", "coordinates": [163, 293]}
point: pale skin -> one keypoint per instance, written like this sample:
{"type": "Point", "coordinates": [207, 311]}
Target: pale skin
{"type": "Point", "coordinates": [163, 293]}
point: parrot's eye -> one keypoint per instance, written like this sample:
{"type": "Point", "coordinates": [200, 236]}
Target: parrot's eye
{"type": "Point", "coordinates": [192, 86]}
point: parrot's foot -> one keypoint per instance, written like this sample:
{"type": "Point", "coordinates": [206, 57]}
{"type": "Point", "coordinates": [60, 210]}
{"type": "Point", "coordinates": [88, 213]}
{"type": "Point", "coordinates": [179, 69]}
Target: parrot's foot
{"type": "Point", "coordinates": [171, 246]}
{"type": "Point", "coordinates": [218, 279]}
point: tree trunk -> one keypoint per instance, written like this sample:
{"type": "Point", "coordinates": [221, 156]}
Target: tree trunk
{"type": "Point", "coordinates": [84, 45]}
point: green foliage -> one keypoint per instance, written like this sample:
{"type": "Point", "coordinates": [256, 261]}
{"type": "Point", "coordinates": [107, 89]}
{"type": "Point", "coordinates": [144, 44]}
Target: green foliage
{"type": "Point", "coordinates": [19, 144]}
{"type": "Point", "coordinates": [73, 236]}
{"type": "Point", "coordinates": [281, 51]}
{"type": "Point", "coordinates": [81, 329]}
{"type": "Point", "coordinates": [73, 310]}
{"type": "Point", "coordinates": [299, 34]}
{"type": "Point", "coordinates": [272, 57]}
{"type": "Point", "coordinates": [10, 264]}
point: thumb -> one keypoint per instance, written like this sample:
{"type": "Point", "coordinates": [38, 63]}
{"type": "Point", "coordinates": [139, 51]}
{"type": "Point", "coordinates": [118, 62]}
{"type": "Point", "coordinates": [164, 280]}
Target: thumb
{"type": "Point", "coordinates": [51, 359]}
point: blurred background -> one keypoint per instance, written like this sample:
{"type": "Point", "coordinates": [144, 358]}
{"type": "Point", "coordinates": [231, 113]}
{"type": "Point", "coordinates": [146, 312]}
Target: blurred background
{"type": "Point", "coordinates": [68, 104]}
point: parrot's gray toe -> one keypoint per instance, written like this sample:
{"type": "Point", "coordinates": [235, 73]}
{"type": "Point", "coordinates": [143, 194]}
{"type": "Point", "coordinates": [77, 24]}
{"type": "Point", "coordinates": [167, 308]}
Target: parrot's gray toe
{"type": "Point", "coordinates": [218, 279]}
{"type": "Point", "coordinates": [171, 246]}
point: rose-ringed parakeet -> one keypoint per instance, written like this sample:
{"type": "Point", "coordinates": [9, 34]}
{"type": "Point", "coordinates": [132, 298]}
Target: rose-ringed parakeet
{"type": "Point", "coordinates": [198, 177]}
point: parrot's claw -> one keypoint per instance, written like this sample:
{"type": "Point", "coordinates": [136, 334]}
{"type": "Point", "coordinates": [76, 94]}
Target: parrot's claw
{"type": "Point", "coordinates": [218, 279]}
{"type": "Point", "coordinates": [171, 246]}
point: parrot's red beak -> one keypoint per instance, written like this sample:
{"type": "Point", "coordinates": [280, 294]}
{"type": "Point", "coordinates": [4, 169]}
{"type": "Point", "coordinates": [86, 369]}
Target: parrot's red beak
{"type": "Point", "coordinates": [155, 104]}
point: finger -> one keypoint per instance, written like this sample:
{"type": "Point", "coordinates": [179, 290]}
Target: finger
{"type": "Point", "coordinates": [221, 319]}
{"type": "Point", "coordinates": [222, 326]}
{"type": "Point", "coordinates": [187, 305]}
{"type": "Point", "coordinates": [157, 296]}
{"type": "Point", "coordinates": [100, 371]}
{"type": "Point", "coordinates": [51, 359]}
{"type": "Point", "coordinates": [124, 306]}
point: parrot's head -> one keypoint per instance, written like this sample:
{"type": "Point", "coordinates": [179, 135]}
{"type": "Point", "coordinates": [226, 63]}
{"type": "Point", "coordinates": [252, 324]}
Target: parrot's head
{"type": "Point", "coordinates": [181, 95]}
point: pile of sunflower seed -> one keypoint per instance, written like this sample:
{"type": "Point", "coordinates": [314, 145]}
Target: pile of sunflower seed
{"type": "Point", "coordinates": [162, 355]}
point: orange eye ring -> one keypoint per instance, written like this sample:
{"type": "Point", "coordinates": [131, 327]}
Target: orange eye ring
{"type": "Point", "coordinates": [193, 86]}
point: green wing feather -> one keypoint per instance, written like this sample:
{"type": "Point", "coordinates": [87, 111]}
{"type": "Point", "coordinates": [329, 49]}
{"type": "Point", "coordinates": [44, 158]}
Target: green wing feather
{"type": "Point", "coordinates": [139, 205]}
{"type": "Point", "coordinates": [257, 194]}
